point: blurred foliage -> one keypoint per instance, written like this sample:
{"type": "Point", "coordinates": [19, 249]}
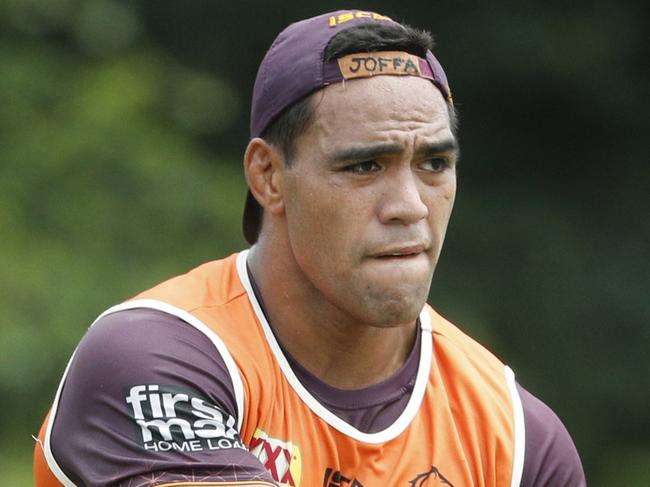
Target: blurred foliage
{"type": "Point", "coordinates": [121, 133]}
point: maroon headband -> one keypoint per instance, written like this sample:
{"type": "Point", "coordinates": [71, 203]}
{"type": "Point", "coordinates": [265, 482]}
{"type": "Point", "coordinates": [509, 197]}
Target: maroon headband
{"type": "Point", "coordinates": [294, 67]}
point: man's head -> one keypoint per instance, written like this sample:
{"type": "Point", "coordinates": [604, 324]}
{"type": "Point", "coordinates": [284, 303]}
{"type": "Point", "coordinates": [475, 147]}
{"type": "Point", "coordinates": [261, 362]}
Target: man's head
{"type": "Point", "coordinates": [303, 59]}
{"type": "Point", "coordinates": [353, 161]}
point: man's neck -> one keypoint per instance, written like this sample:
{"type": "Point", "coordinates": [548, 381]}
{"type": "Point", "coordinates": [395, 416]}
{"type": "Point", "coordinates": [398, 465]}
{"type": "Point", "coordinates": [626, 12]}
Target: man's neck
{"type": "Point", "coordinates": [336, 348]}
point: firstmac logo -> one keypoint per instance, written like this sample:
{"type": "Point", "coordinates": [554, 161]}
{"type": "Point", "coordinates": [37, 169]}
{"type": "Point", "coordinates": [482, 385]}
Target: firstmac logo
{"type": "Point", "coordinates": [173, 419]}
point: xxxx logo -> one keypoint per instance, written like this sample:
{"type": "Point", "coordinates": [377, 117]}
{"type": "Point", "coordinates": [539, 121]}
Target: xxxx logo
{"type": "Point", "coordinates": [282, 459]}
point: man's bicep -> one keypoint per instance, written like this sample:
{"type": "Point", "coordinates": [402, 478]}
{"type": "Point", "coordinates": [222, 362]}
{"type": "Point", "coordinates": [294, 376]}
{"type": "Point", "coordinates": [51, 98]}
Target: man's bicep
{"type": "Point", "coordinates": [148, 395]}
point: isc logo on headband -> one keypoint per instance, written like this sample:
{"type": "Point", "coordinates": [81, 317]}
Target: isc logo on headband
{"type": "Point", "coordinates": [335, 20]}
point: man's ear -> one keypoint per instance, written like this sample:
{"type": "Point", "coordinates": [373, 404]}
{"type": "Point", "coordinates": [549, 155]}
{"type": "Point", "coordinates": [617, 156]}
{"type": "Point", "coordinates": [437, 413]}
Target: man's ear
{"type": "Point", "coordinates": [263, 169]}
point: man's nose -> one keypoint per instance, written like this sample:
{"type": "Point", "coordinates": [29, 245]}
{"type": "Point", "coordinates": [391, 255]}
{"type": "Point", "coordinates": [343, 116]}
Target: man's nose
{"type": "Point", "coordinates": [401, 199]}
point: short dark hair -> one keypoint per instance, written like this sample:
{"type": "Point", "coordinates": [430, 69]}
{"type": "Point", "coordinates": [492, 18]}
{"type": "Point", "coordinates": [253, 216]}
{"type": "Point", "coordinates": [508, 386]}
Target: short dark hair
{"type": "Point", "coordinates": [293, 121]}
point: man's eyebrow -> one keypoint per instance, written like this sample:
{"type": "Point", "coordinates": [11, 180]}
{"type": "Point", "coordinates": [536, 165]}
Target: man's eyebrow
{"type": "Point", "coordinates": [369, 152]}
{"type": "Point", "coordinates": [366, 152]}
{"type": "Point", "coordinates": [447, 145]}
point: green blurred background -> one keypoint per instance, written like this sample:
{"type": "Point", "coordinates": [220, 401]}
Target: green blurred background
{"type": "Point", "coordinates": [122, 127]}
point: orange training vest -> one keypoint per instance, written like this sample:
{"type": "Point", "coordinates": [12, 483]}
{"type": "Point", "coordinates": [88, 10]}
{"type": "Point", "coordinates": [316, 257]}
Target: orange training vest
{"type": "Point", "coordinates": [463, 425]}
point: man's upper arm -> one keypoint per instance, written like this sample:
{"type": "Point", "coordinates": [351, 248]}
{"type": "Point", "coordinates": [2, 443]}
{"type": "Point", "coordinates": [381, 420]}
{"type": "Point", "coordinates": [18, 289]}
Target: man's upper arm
{"type": "Point", "coordinates": [148, 398]}
{"type": "Point", "coordinates": [551, 458]}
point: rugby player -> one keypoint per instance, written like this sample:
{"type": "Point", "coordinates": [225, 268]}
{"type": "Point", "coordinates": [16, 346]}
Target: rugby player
{"type": "Point", "coordinates": [312, 358]}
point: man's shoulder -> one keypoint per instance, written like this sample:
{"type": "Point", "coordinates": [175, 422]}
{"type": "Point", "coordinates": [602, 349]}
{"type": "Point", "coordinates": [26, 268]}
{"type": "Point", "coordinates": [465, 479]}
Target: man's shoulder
{"type": "Point", "coordinates": [141, 336]}
{"type": "Point", "coordinates": [137, 346]}
{"type": "Point", "coordinates": [209, 284]}
{"type": "Point", "coordinates": [119, 395]}
{"type": "Point", "coordinates": [452, 338]}
{"type": "Point", "coordinates": [551, 456]}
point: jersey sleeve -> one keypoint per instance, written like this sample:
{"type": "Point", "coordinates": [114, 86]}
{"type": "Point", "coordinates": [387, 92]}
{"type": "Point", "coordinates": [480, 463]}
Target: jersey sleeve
{"type": "Point", "coordinates": [551, 458]}
{"type": "Point", "coordinates": [148, 400]}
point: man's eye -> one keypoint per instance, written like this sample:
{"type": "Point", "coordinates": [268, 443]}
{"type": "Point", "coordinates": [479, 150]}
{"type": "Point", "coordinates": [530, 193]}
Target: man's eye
{"type": "Point", "coordinates": [363, 167]}
{"type": "Point", "coordinates": [435, 164]}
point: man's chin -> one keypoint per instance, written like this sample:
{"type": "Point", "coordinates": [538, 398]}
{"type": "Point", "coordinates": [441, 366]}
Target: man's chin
{"type": "Point", "coordinates": [389, 300]}
{"type": "Point", "coordinates": [388, 310]}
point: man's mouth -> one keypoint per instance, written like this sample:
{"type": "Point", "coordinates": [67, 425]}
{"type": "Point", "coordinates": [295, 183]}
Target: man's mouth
{"type": "Point", "coordinates": [400, 252]}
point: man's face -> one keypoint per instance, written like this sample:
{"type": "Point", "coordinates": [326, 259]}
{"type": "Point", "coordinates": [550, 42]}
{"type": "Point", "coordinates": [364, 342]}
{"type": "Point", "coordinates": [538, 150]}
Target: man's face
{"type": "Point", "coordinates": [369, 194]}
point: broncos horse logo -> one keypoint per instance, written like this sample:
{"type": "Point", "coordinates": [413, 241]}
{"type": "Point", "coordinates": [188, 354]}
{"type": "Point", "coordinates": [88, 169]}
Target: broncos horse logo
{"type": "Point", "coordinates": [422, 479]}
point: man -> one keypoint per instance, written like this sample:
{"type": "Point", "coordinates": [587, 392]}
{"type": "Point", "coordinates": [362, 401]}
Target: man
{"type": "Point", "coordinates": [312, 358]}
